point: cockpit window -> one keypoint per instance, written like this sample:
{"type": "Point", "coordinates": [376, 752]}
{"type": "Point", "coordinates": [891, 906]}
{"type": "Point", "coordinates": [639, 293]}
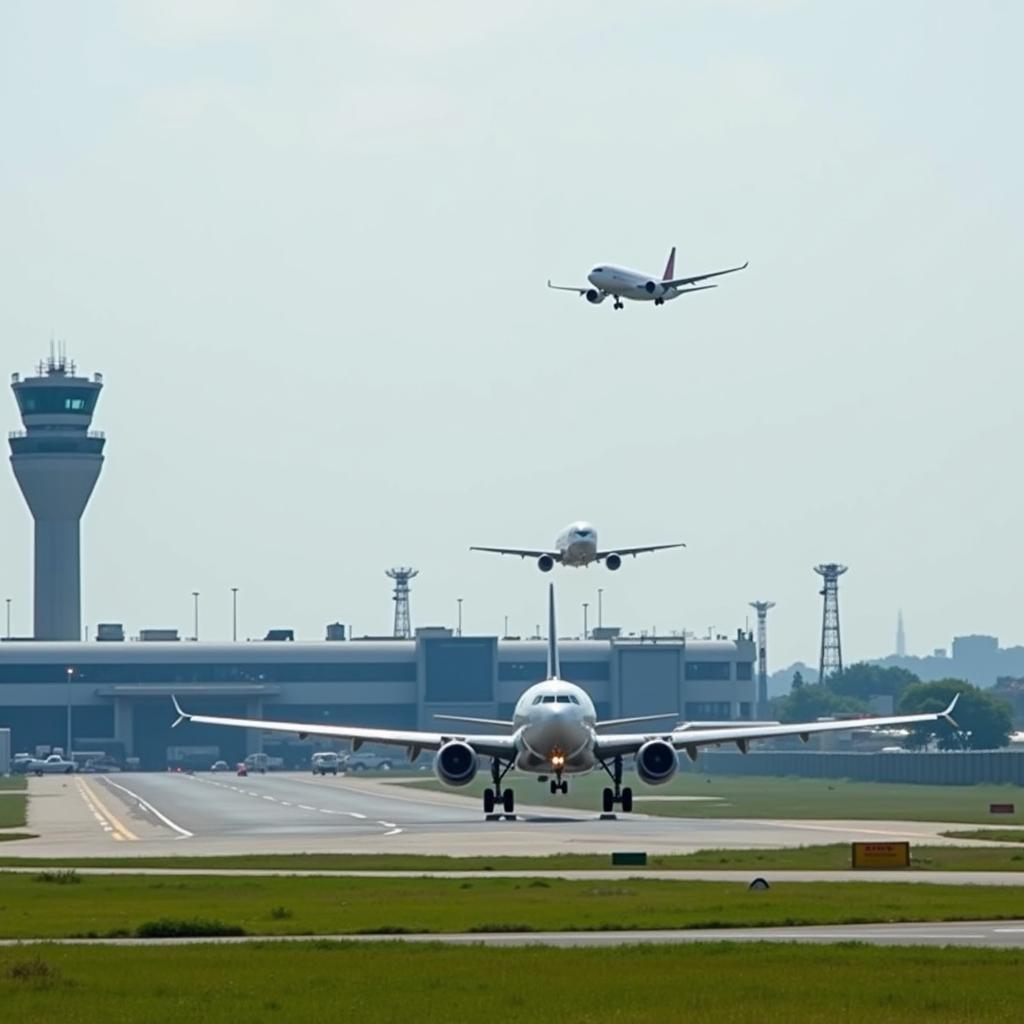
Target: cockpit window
{"type": "Point", "coordinates": [563, 700]}
{"type": "Point", "coordinates": [574, 698]}
{"type": "Point", "coordinates": [598, 270]}
{"type": "Point", "coordinates": [538, 698]}
{"type": "Point", "coordinates": [549, 700]}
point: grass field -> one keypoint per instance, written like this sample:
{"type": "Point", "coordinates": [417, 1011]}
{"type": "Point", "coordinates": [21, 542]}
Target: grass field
{"type": "Point", "coordinates": [60, 905]}
{"type": "Point", "coordinates": [392, 984]}
{"type": "Point", "coordinates": [16, 782]}
{"type": "Point", "coordinates": [754, 796]}
{"type": "Point", "coordinates": [835, 857]}
{"type": "Point", "coordinates": [13, 807]}
{"type": "Point", "coordinates": [992, 835]}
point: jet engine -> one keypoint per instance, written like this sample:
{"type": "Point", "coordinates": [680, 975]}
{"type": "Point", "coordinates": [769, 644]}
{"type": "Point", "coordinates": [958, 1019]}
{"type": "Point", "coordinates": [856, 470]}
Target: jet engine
{"type": "Point", "coordinates": [650, 287]}
{"type": "Point", "coordinates": [455, 763]}
{"type": "Point", "coordinates": [656, 762]}
{"type": "Point", "coordinates": [545, 563]}
{"type": "Point", "coordinates": [594, 297]}
{"type": "Point", "coordinates": [613, 561]}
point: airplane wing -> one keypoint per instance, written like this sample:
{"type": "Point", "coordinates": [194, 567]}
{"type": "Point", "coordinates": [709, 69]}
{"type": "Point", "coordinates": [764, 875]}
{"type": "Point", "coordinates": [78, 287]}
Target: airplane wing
{"type": "Point", "coordinates": [690, 739]}
{"type": "Point", "coordinates": [601, 555]}
{"type": "Point", "coordinates": [521, 552]}
{"type": "Point", "coordinates": [413, 739]}
{"type": "Point", "coordinates": [567, 288]}
{"type": "Point", "coordinates": [680, 281]}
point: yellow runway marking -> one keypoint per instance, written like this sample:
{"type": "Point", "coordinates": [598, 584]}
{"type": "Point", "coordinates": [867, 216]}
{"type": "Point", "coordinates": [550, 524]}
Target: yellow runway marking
{"type": "Point", "coordinates": [101, 812]}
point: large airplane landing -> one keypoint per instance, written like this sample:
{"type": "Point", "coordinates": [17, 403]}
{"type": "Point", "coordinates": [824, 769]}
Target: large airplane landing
{"type": "Point", "coordinates": [577, 546]}
{"type": "Point", "coordinates": [623, 283]}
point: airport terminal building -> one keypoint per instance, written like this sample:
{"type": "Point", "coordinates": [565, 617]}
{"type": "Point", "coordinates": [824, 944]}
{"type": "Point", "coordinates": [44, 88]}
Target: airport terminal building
{"type": "Point", "coordinates": [119, 693]}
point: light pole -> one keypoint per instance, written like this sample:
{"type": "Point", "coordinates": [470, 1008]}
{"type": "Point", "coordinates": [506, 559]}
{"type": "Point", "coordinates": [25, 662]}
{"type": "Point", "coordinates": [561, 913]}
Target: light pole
{"type": "Point", "coordinates": [459, 599]}
{"type": "Point", "coordinates": [506, 627]}
{"type": "Point", "coordinates": [67, 749]}
{"type": "Point", "coordinates": [586, 605]}
{"type": "Point", "coordinates": [8, 618]}
{"type": "Point", "coordinates": [234, 614]}
{"type": "Point", "coordinates": [600, 610]}
{"type": "Point", "coordinates": [195, 614]}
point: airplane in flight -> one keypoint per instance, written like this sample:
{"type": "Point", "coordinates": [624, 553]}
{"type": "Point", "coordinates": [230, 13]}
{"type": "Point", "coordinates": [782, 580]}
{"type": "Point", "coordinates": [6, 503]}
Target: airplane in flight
{"type": "Point", "coordinates": [576, 545]}
{"type": "Point", "coordinates": [623, 283]}
{"type": "Point", "coordinates": [554, 732]}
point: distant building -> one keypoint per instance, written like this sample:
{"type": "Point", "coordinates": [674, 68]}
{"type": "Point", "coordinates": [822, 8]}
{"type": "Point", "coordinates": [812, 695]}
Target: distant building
{"type": "Point", "coordinates": [121, 692]}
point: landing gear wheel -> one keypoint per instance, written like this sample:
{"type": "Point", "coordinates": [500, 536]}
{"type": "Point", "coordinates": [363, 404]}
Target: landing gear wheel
{"type": "Point", "coordinates": [554, 787]}
{"type": "Point", "coordinates": [607, 801]}
{"type": "Point", "coordinates": [509, 801]}
{"type": "Point", "coordinates": [627, 800]}
{"type": "Point", "coordinates": [618, 305]}
{"type": "Point", "coordinates": [488, 801]}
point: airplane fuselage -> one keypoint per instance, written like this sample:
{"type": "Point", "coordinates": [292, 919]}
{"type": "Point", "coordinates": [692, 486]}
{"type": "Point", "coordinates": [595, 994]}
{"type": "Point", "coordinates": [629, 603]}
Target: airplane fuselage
{"type": "Point", "coordinates": [577, 544]}
{"type": "Point", "coordinates": [624, 283]}
{"type": "Point", "coordinates": [555, 729]}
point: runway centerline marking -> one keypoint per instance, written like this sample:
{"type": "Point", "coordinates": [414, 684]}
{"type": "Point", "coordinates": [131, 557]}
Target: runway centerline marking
{"type": "Point", "coordinates": [306, 807]}
{"type": "Point", "coordinates": [387, 824]}
{"type": "Point", "coordinates": [356, 814]}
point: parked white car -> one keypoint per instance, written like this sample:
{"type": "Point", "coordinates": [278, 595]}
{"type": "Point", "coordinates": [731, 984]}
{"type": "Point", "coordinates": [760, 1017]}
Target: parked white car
{"type": "Point", "coordinates": [52, 765]}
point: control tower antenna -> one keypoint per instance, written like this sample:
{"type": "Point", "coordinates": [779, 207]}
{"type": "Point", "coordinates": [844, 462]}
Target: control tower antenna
{"type": "Point", "coordinates": [57, 460]}
{"type": "Point", "coordinates": [401, 576]}
{"type": "Point", "coordinates": [831, 660]}
{"type": "Point", "coordinates": [761, 607]}
{"type": "Point", "coordinates": [901, 636]}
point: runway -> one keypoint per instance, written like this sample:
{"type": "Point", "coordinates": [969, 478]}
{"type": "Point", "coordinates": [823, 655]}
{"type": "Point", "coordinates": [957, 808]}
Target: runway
{"type": "Point", "coordinates": [983, 934]}
{"type": "Point", "coordinates": [156, 814]}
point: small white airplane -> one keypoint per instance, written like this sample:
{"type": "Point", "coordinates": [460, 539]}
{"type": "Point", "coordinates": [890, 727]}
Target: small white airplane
{"type": "Point", "coordinates": [554, 732]}
{"type": "Point", "coordinates": [576, 545]}
{"type": "Point", "coordinates": [623, 283]}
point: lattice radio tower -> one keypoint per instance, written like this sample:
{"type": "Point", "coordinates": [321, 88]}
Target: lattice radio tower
{"type": "Point", "coordinates": [831, 646]}
{"type": "Point", "coordinates": [761, 607]}
{"type": "Point", "coordinates": [401, 575]}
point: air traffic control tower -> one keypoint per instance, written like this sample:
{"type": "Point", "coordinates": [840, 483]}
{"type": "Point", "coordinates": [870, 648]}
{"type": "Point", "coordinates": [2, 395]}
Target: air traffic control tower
{"type": "Point", "coordinates": [56, 461]}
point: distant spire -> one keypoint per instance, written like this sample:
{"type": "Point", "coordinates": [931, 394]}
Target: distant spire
{"type": "Point", "coordinates": [901, 637]}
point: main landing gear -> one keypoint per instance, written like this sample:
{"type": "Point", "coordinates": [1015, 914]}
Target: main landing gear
{"type": "Point", "coordinates": [495, 797]}
{"type": "Point", "coordinates": [617, 304]}
{"type": "Point", "coordinates": [620, 795]}
{"type": "Point", "coordinates": [659, 302]}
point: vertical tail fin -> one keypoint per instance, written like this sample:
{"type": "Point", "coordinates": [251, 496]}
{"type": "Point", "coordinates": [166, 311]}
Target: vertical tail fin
{"type": "Point", "coordinates": [552, 635]}
{"type": "Point", "coordinates": [670, 267]}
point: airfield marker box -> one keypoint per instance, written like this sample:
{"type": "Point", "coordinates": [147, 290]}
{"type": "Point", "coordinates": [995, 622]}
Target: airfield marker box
{"type": "Point", "coordinates": [1000, 808]}
{"type": "Point", "coordinates": [880, 855]}
{"type": "Point", "coordinates": [629, 858]}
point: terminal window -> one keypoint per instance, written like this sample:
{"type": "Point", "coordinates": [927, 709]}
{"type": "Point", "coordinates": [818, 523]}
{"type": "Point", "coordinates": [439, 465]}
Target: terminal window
{"type": "Point", "coordinates": [706, 710]}
{"type": "Point", "coordinates": [702, 671]}
{"type": "Point", "coordinates": [744, 670]}
{"type": "Point", "coordinates": [459, 670]}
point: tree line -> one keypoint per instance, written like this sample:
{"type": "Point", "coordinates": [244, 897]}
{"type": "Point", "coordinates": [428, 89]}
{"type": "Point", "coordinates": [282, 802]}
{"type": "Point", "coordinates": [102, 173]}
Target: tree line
{"type": "Point", "coordinates": [985, 720]}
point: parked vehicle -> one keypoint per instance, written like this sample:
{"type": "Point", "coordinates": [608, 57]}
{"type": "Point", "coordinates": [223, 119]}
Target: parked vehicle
{"type": "Point", "coordinates": [219, 766]}
{"type": "Point", "coordinates": [367, 761]}
{"type": "Point", "coordinates": [257, 763]}
{"type": "Point", "coordinates": [52, 765]}
{"type": "Point", "coordinates": [325, 762]}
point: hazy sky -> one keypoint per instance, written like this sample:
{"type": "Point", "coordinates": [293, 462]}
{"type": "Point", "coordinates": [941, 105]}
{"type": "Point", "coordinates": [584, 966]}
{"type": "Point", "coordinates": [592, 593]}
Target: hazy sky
{"type": "Point", "coordinates": [307, 245]}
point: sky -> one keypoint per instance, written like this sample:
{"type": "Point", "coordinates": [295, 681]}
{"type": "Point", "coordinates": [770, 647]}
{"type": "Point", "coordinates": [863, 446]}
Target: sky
{"type": "Point", "coordinates": [307, 246]}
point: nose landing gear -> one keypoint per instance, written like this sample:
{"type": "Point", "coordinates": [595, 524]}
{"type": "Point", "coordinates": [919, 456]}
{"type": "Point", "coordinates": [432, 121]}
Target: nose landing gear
{"type": "Point", "coordinates": [496, 797]}
{"type": "Point", "coordinates": [623, 796]}
{"type": "Point", "coordinates": [561, 786]}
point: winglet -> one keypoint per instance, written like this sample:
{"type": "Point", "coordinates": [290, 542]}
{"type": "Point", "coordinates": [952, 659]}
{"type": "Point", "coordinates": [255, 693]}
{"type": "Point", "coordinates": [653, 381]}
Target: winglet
{"type": "Point", "coordinates": [182, 715]}
{"type": "Point", "coordinates": [552, 635]}
{"type": "Point", "coordinates": [947, 715]}
{"type": "Point", "coordinates": [670, 267]}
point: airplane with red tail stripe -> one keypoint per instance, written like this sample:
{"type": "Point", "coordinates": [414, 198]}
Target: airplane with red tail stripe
{"type": "Point", "coordinates": [622, 283]}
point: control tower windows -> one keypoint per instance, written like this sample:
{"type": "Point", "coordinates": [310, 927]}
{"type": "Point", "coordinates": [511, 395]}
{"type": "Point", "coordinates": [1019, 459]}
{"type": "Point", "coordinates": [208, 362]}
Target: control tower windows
{"type": "Point", "coordinates": [49, 401]}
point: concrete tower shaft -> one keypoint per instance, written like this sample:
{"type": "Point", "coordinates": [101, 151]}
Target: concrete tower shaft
{"type": "Point", "coordinates": [57, 461]}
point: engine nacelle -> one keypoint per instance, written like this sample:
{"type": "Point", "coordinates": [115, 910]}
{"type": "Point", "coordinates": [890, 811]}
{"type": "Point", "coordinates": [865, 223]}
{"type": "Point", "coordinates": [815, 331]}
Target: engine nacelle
{"type": "Point", "coordinates": [545, 563]}
{"type": "Point", "coordinates": [656, 762]}
{"type": "Point", "coordinates": [650, 287]}
{"type": "Point", "coordinates": [455, 763]}
{"type": "Point", "coordinates": [613, 561]}
{"type": "Point", "coordinates": [594, 297]}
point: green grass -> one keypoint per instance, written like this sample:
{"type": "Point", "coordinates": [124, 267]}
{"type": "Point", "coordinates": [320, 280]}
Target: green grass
{"type": "Point", "coordinates": [994, 835]}
{"type": "Point", "coordinates": [99, 905]}
{"type": "Point", "coordinates": [755, 796]}
{"type": "Point", "coordinates": [835, 857]}
{"type": "Point", "coordinates": [12, 810]}
{"type": "Point", "coordinates": [392, 984]}
{"type": "Point", "coordinates": [13, 782]}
